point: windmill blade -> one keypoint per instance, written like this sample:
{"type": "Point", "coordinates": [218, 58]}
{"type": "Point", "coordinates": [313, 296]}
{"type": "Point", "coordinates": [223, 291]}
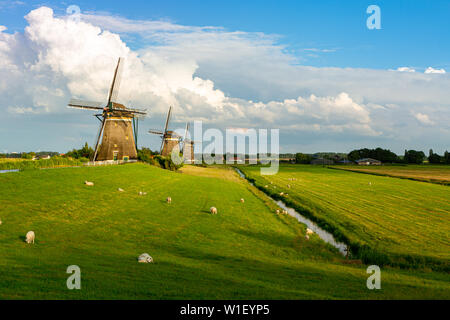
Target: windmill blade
{"type": "Point", "coordinates": [114, 91]}
{"type": "Point", "coordinates": [162, 144]}
{"type": "Point", "coordinates": [156, 132]}
{"type": "Point", "coordinates": [81, 104]}
{"type": "Point", "coordinates": [186, 132]}
{"type": "Point", "coordinates": [168, 119]}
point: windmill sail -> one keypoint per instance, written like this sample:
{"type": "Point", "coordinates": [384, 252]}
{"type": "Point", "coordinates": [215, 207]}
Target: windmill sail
{"type": "Point", "coordinates": [114, 91]}
{"type": "Point", "coordinates": [81, 104]}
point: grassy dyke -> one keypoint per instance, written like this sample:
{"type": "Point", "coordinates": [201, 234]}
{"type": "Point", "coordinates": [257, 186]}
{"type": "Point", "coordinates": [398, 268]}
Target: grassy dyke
{"type": "Point", "coordinates": [339, 203]}
{"type": "Point", "coordinates": [244, 252]}
{"type": "Point", "coordinates": [53, 162]}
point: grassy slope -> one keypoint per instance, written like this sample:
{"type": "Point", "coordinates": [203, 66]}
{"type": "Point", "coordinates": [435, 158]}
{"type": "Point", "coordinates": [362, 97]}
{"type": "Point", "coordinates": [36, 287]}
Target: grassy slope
{"type": "Point", "coordinates": [428, 173]}
{"type": "Point", "coordinates": [246, 251]}
{"type": "Point", "coordinates": [392, 215]}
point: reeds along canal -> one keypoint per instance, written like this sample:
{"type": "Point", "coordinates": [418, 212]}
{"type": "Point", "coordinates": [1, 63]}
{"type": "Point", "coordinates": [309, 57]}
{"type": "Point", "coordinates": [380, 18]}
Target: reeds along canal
{"type": "Point", "coordinates": [324, 235]}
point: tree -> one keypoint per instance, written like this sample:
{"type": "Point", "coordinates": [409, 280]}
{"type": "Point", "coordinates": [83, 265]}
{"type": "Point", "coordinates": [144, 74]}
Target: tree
{"type": "Point", "coordinates": [384, 155]}
{"type": "Point", "coordinates": [302, 158]}
{"type": "Point", "coordinates": [434, 157]}
{"type": "Point", "coordinates": [85, 152]}
{"type": "Point", "coordinates": [446, 157]}
{"type": "Point", "coordinates": [413, 156]}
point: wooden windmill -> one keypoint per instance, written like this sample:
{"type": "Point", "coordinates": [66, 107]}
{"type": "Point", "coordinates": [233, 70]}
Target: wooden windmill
{"type": "Point", "coordinates": [119, 124]}
{"type": "Point", "coordinates": [188, 147]}
{"type": "Point", "coordinates": [170, 139]}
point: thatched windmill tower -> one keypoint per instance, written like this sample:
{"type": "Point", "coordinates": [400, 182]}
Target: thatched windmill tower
{"type": "Point", "coordinates": [118, 139]}
{"type": "Point", "coordinates": [188, 147]}
{"type": "Point", "coordinates": [170, 140]}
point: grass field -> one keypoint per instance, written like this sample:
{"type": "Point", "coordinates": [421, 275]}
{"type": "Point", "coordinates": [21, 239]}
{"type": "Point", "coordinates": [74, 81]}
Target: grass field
{"type": "Point", "coordinates": [427, 173]}
{"type": "Point", "coordinates": [406, 220]}
{"type": "Point", "coordinates": [244, 252]}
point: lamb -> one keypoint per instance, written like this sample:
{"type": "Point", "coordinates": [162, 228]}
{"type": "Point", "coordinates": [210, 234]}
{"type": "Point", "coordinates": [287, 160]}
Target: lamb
{"type": "Point", "coordinates": [309, 231]}
{"type": "Point", "coordinates": [89, 184]}
{"type": "Point", "coordinates": [169, 200]}
{"type": "Point", "coordinates": [213, 210]}
{"type": "Point", "coordinates": [145, 258]}
{"type": "Point", "coordinates": [30, 237]}
{"type": "Point", "coordinates": [242, 200]}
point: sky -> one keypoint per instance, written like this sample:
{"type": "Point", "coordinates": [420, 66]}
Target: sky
{"type": "Point", "coordinates": [312, 69]}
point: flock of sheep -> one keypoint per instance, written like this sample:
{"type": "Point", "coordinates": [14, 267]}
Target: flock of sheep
{"type": "Point", "coordinates": [145, 257]}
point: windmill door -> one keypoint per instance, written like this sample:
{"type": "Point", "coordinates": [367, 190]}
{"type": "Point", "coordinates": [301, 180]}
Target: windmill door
{"type": "Point", "coordinates": [115, 155]}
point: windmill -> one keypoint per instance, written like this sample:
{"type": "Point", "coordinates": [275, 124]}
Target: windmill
{"type": "Point", "coordinates": [119, 124]}
{"type": "Point", "coordinates": [170, 139]}
{"type": "Point", "coordinates": [188, 147]}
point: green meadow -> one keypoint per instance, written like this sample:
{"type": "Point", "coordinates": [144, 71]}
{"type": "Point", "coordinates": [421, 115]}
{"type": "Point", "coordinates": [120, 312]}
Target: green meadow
{"type": "Point", "coordinates": [386, 220]}
{"type": "Point", "coordinates": [246, 251]}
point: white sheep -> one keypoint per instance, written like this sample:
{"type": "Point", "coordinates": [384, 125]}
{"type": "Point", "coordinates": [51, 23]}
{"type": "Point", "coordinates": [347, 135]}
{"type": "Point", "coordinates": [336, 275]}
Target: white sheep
{"type": "Point", "coordinates": [285, 212]}
{"type": "Point", "coordinates": [307, 237]}
{"type": "Point", "coordinates": [1, 222]}
{"type": "Point", "coordinates": [281, 193]}
{"type": "Point", "coordinates": [278, 211]}
{"type": "Point", "coordinates": [89, 184]}
{"type": "Point", "coordinates": [309, 231]}
{"type": "Point", "coordinates": [213, 210]}
{"type": "Point", "coordinates": [120, 190]}
{"type": "Point", "coordinates": [30, 237]}
{"type": "Point", "coordinates": [266, 186]}
{"type": "Point", "coordinates": [142, 193]}
{"type": "Point", "coordinates": [169, 200]}
{"type": "Point", "coordinates": [242, 200]}
{"type": "Point", "coordinates": [145, 258]}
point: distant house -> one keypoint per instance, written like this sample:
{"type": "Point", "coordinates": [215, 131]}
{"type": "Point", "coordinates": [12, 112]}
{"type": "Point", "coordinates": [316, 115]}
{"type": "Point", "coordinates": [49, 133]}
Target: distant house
{"type": "Point", "coordinates": [368, 162]}
{"type": "Point", "coordinates": [322, 161]}
{"type": "Point", "coordinates": [345, 161]}
{"type": "Point", "coordinates": [44, 157]}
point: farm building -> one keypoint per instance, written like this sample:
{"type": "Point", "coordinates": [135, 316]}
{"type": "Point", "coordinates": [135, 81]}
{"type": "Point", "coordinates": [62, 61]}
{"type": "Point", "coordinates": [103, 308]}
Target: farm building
{"type": "Point", "coordinates": [368, 162]}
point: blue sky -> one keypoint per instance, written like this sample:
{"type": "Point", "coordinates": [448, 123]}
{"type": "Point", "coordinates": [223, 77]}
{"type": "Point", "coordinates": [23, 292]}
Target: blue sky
{"type": "Point", "coordinates": [311, 68]}
{"type": "Point", "coordinates": [414, 33]}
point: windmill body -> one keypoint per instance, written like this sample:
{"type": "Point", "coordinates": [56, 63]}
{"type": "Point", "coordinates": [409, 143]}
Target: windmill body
{"type": "Point", "coordinates": [117, 136]}
{"type": "Point", "coordinates": [188, 148]}
{"type": "Point", "coordinates": [170, 140]}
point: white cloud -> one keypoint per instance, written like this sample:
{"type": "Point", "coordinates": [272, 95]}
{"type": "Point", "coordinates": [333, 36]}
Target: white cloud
{"type": "Point", "coordinates": [406, 69]}
{"type": "Point", "coordinates": [207, 73]}
{"type": "Point", "coordinates": [432, 70]}
{"type": "Point", "coordinates": [423, 118]}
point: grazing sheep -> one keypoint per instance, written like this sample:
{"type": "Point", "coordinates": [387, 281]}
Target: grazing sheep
{"type": "Point", "coordinates": [370, 183]}
{"type": "Point", "coordinates": [278, 211]}
{"type": "Point", "coordinates": [169, 200]}
{"type": "Point", "coordinates": [289, 186]}
{"type": "Point", "coordinates": [309, 231]}
{"type": "Point", "coordinates": [281, 193]}
{"type": "Point", "coordinates": [120, 190]}
{"type": "Point", "coordinates": [89, 184]}
{"type": "Point", "coordinates": [242, 200]}
{"type": "Point", "coordinates": [30, 237]}
{"type": "Point", "coordinates": [142, 193]}
{"type": "Point", "coordinates": [1, 222]}
{"type": "Point", "coordinates": [307, 237]}
{"type": "Point", "coordinates": [213, 210]}
{"type": "Point", "coordinates": [285, 212]}
{"type": "Point", "coordinates": [145, 258]}
{"type": "Point", "coordinates": [266, 186]}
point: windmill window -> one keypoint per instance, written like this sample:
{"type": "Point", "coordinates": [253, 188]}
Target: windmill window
{"type": "Point", "coordinates": [126, 137]}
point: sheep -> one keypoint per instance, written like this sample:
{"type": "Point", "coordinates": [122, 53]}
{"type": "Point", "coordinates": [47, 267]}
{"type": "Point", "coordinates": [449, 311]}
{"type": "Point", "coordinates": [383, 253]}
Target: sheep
{"type": "Point", "coordinates": [1, 222]}
{"type": "Point", "coordinates": [281, 193]}
{"type": "Point", "coordinates": [120, 190]}
{"type": "Point", "coordinates": [169, 200]}
{"type": "Point", "coordinates": [309, 231]}
{"type": "Point", "coordinates": [30, 237]}
{"type": "Point", "coordinates": [285, 212]}
{"type": "Point", "coordinates": [307, 237]}
{"type": "Point", "coordinates": [278, 211]}
{"type": "Point", "coordinates": [142, 193]}
{"type": "Point", "coordinates": [145, 258]}
{"type": "Point", "coordinates": [213, 210]}
{"type": "Point", "coordinates": [242, 200]}
{"type": "Point", "coordinates": [89, 184]}
{"type": "Point", "coordinates": [266, 186]}
{"type": "Point", "coordinates": [289, 186]}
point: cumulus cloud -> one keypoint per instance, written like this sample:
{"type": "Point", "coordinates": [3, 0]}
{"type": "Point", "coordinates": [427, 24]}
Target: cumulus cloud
{"type": "Point", "coordinates": [423, 118]}
{"type": "Point", "coordinates": [432, 70]}
{"type": "Point", "coordinates": [207, 73]}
